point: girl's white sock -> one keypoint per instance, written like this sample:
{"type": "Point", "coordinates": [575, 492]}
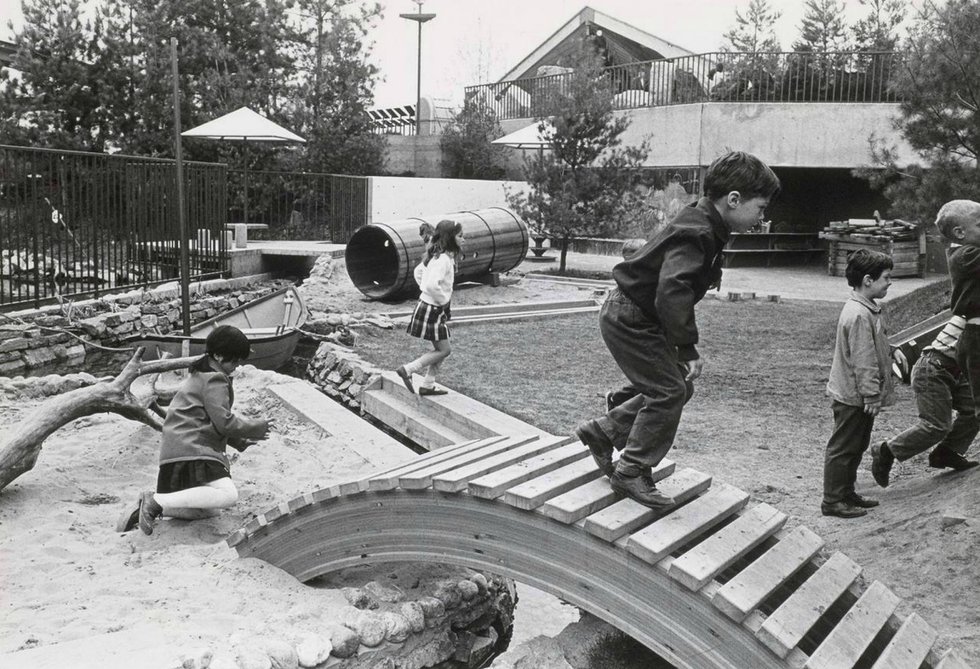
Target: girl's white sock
{"type": "Point", "coordinates": [430, 378]}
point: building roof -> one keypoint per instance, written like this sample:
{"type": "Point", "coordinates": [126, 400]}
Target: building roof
{"type": "Point", "coordinates": [624, 44]}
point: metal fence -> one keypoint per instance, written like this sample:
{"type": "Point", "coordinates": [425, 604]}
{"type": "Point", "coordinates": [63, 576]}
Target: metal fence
{"type": "Point", "coordinates": [81, 224]}
{"type": "Point", "coordinates": [298, 205]}
{"type": "Point", "coordinates": [845, 77]}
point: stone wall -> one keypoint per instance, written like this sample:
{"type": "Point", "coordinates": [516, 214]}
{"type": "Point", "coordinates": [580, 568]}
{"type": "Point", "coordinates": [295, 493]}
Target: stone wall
{"type": "Point", "coordinates": [341, 374]}
{"type": "Point", "coordinates": [37, 338]}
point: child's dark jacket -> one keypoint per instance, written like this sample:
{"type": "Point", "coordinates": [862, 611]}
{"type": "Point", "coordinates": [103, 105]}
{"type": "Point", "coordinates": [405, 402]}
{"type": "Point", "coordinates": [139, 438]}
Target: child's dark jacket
{"type": "Point", "coordinates": [200, 422]}
{"type": "Point", "coordinates": [964, 275]}
{"type": "Point", "coordinates": [674, 270]}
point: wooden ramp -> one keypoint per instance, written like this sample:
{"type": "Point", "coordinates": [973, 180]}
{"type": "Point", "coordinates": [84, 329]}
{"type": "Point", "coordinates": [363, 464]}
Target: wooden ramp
{"type": "Point", "coordinates": [715, 582]}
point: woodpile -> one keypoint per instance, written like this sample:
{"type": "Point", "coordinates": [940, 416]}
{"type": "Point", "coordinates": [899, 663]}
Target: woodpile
{"type": "Point", "coordinates": [905, 242]}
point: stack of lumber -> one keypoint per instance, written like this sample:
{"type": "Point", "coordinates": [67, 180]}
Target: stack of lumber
{"type": "Point", "coordinates": [903, 241]}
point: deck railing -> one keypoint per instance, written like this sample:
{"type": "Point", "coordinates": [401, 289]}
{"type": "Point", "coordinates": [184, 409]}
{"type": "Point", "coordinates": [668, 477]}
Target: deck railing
{"type": "Point", "coordinates": [74, 224]}
{"type": "Point", "coordinates": [844, 77]}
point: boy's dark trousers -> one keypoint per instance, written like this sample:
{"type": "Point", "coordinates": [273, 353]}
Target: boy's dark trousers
{"type": "Point", "coordinates": [848, 442]}
{"type": "Point", "coordinates": [644, 426]}
{"type": "Point", "coordinates": [968, 357]}
{"type": "Point", "coordinates": [940, 388]}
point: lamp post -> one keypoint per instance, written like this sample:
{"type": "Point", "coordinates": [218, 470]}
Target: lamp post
{"type": "Point", "coordinates": [419, 18]}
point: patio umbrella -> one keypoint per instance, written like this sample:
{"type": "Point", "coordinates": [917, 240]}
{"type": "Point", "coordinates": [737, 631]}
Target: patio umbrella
{"type": "Point", "coordinates": [244, 125]}
{"type": "Point", "coordinates": [528, 137]}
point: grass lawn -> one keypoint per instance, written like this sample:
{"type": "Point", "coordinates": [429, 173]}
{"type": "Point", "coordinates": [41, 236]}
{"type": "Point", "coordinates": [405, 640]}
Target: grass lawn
{"type": "Point", "coordinates": [759, 420]}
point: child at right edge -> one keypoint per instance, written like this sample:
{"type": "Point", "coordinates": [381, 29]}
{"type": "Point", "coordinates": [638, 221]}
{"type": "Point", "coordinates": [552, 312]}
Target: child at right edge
{"type": "Point", "coordinates": [860, 382]}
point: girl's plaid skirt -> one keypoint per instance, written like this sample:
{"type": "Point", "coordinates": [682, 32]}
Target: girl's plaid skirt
{"type": "Point", "coordinates": [429, 322]}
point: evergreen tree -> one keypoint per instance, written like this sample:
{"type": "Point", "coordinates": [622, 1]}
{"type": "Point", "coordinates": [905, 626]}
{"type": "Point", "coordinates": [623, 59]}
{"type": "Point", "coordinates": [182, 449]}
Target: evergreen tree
{"type": "Point", "coordinates": [466, 143]}
{"type": "Point", "coordinates": [878, 30]}
{"type": "Point", "coordinates": [57, 99]}
{"type": "Point", "coordinates": [578, 182]}
{"type": "Point", "coordinates": [939, 115]}
{"type": "Point", "coordinates": [823, 28]}
{"type": "Point", "coordinates": [754, 30]}
{"type": "Point", "coordinates": [332, 99]}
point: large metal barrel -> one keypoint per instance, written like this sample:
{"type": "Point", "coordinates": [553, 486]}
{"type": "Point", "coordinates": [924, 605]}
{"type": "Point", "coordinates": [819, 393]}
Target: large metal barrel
{"type": "Point", "coordinates": [381, 257]}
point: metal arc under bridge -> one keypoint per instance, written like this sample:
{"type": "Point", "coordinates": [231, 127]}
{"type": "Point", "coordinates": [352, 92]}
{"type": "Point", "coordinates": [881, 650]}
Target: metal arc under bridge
{"type": "Point", "coordinates": [713, 582]}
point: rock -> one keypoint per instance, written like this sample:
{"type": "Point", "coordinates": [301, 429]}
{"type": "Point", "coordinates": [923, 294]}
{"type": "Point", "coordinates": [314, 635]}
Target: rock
{"type": "Point", "coordinates": [951, 518]}
{"type": "Point", "coordinates": [313, 650]}
{"type": "Point", "coordinates": [344, 641]}
{"type": "Point", "coordinates": [481, 582]}
{"type": "Point", "coordinates": [432, 607]}
{"type": "Point", "coordinates": [413, 613]}
{"type": "Point", "coordinates": [383, 593]}
{"type": "Point", "coordinates": [251, 657]}
{"type": "Point", "coordinates": [281, 654]}
{"type": "Point", "coordinates": [359, 598]}
{"type": "Point", "coordinates": [467, 589]}
{"type": "Point", "coordinates": [397, 627]}
{"type": "Point", "coordinates": [370, 627]}
{"type": "Point", "coordinates": [449, 595]}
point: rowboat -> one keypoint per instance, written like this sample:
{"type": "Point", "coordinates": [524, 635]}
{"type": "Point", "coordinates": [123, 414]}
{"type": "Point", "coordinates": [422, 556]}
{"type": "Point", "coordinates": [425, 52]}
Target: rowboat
{"type": "Point", "coordinates": [272, 324]}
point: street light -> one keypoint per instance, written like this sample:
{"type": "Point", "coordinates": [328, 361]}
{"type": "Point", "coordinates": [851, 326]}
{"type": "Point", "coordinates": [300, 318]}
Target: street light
{"type": "Point", "coordinates": [419, 18]}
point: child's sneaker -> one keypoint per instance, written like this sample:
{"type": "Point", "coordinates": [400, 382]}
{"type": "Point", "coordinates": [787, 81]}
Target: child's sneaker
{"type": "Point", "coordinates": [149, 512]}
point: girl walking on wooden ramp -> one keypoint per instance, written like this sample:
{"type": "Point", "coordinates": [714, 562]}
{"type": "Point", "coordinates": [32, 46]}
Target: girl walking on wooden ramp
{"type": "Point", "coordinates": [435, 276]}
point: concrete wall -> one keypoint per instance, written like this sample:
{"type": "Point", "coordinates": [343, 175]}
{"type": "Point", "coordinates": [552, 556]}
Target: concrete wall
{"type": "Point", "coordinates": [418, 155]}
{"type": "Point", "coordinates": [783, 134]}
{"type": "Point", "coordinates": [395, 198]}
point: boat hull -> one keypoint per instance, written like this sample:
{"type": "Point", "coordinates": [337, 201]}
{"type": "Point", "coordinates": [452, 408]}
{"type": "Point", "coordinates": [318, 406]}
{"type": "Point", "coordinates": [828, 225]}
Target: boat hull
{"type": "Point", "coordinates": [271, 323]}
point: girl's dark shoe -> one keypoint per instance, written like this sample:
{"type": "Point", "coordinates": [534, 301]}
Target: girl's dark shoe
{"type": "Point", "coordinates": [423, 390]}
{"type": "Point", "coordinates": [406, 378]}
{"type": "Point", "coordinates": [881, 463]}
{"type": "Point", "coordinates": [590, 434]}
{"type": "Point", "coordinates": [130, 518]}
{"type": "Point", "coordinates": [855, 499]}
{"type": "Point", "coordinates": [942, 458]}
{"type": "Point", "coordinates": [640, 489]}
{"type": "Point", "coordinates": [842, 510]}
{"type": "Point", "coordinates": [149, 512]}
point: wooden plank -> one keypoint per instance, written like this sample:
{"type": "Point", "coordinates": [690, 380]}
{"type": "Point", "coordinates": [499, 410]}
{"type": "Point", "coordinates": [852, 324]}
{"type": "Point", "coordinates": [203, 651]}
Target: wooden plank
{"type": "Point", "coordinates": [788, 624]}
{"type": "Point", "coordinates": [459, 477]}
{"type": "Point", "coordinates": [422, 478]}
{"type": "Point", "coordinates": [388, 479]}
{"type": "Point", "coordinates": [854, 633]}
{"type": "Point", "coordinates": [910, 645]}
{"type": "Point", "coordinates": [625, 516]}
{"type": "Point", "coordinates": [653, 543]}
{"type": "Point", "coordinates": [719, 551]}
{"type": "Point", "coordinates": [580, 502]}
{"type": "Point", "coordinates": [532, 494]}
{"type": "Point", "coordinates": [761, 578]}
{"type": "Point", "coordinates": [405, 420]}
{"type": "Point", "coordinates": [493, 485]}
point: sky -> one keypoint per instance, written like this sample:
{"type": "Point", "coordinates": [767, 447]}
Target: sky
{"type": "Point", "coordinates": [477, 41]}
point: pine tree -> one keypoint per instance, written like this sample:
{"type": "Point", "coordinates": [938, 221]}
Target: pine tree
{"type": "Point", "coordinates": [56, 100]}
{"type": "Point", "coordinates": [939, 115]}
{"type": "Point", "coordinates": [878, 30]}
{"type": "Point", "coordinates": [466, 143]}
{"type": "Point", "coordinates": [823, 28]}
{"type": "Point", "coordinates": [579, 181]}
{"type": "Point", "coordinates": [331, 100]}
{"type": "Point", "coordinates": [754, 30]}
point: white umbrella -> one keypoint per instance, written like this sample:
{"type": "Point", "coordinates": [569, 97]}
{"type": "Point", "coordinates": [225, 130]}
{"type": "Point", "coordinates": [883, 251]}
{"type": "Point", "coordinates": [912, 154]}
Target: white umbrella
{"type": "Point", "coordinates": [528, 137]}
{"type": "Point", "coordinates": [244, 125]}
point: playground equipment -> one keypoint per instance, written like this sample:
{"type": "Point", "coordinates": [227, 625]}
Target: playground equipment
{"type": "Point", "coordinates": [381, 257]}
{"type": "Point", "coordinates": [907, 345]}
{"type": "Point", "coordinates": [715, 582]}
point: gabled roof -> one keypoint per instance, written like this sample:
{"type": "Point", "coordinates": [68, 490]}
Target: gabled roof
{"type": "Point", "coordinates": [625, 43]}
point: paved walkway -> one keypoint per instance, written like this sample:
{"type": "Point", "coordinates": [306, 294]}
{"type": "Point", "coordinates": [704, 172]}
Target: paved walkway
{"type": "Point", "coordinates": [804, 282]}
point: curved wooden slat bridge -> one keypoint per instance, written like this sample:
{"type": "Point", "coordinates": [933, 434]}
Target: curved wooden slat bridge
{"type": "Point", "coordinates": [715, 582]}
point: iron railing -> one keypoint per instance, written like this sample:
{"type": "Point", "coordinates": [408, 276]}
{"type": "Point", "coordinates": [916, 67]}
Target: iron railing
{"type": "Point", "coordinates": [720, 77]}
{"type": "Point", "coordinates": [299, 205]}
{"type": "Point", "coordinates": [82, 224]}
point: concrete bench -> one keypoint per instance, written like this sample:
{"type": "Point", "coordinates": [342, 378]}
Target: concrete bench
{"type": "Point", "coordinates": [240, 232]}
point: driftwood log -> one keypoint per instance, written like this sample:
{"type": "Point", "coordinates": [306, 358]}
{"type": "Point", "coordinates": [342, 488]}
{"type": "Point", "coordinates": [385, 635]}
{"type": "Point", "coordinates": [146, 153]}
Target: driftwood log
{"type": "Point", "coordinates": [23, 442]}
